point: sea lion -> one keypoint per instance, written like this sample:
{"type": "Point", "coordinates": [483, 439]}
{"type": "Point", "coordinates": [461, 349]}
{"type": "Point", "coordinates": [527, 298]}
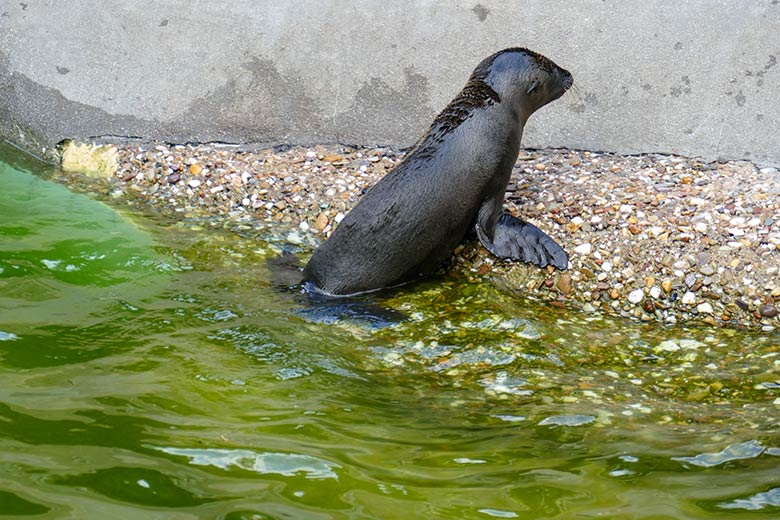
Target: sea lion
{"type": "Point", "coordinates": [452, 181]}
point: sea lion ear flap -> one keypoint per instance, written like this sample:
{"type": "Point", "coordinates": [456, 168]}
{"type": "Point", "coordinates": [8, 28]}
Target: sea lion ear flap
{"type": "Point", "coordinates": [532, 86]}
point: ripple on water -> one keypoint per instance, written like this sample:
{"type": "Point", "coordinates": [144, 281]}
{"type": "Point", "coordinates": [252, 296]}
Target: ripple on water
{"type": "Point", "coordinates": [757, 502]}
{"type": "Point", "coordinates": [285, 464]}
{"type": "Point", "coordinates": [743, 450]}
{"type": "Point", "coordinates": [7, 336]}
{"type": "Point", "coordinates": [567, 420]}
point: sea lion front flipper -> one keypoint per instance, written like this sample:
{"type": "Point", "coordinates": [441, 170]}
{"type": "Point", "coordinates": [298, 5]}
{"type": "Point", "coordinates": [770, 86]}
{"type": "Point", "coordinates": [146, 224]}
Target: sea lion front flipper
{"type": "Point", "coordinates": [520, 240]}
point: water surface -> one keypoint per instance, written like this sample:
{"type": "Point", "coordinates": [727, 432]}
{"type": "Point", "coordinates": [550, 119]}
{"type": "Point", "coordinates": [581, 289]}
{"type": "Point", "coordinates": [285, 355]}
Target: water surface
{"type": "Point", "coordinates": [148, 370]}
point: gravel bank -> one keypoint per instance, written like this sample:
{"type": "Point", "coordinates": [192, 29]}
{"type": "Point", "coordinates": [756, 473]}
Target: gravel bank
{"type": "Point", "coordinates": [651, 237]}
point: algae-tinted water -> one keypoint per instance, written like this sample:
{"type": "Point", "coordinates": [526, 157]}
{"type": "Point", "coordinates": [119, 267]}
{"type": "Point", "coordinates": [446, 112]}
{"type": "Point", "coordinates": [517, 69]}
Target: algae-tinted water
{"type": "Point", "coordinates": [148, 370]}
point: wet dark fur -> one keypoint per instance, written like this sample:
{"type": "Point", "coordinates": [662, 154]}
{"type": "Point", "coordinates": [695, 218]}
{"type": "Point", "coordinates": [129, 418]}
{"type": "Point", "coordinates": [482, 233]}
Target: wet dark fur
{"type": "Point", "coordinates": [411, 220]}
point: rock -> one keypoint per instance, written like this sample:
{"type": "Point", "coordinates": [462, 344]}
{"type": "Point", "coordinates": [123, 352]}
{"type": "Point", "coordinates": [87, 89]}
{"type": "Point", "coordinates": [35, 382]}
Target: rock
{"type": "Point", "coordinates": [768, 311]}
{"type": "Point", "coordinates": [583, 249]}
{"type": "Point", "coordinates": [196, 169]}
{"type": "Point", "coordinates": [667, 286]}
{"type": "Point", "coordinates": [688, 298]}
{"type": "Point", "coordinates": [564, 284]}
{"type": "Point", "coordinates": [636, 296]}
{"type": "Point", "coordinates": [91, 160]}
{"type": "Point", "coordinates": [704, 308]}
{"type": "Point", "coordinates": [707, 270]}
{"type": "Point", "coordinates": [322, 222]}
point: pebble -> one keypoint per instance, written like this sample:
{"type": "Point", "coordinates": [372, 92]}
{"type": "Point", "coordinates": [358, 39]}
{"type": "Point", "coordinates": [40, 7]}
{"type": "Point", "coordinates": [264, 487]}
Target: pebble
{"type": "Point", "coordinates": [768, 311]}
{"type": "Point", "coordinates": [707, 270]}
{"type": "Point", "coordinates": [688, 298]}
{"type": "Point", "coordinates": [321, 222]}
{"type": "Point", "coordinates": [636, 296]}
{"type": "Point", "coordinates": [564, 283]}
{"type": "Point", "coordinates": [583, 249]}
{"type": "Point", "coordinates": [705, 308]}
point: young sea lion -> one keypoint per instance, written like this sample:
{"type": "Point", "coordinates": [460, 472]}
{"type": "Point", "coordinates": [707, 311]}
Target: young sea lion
{"type": "Point", "coordinates": [452, 181]}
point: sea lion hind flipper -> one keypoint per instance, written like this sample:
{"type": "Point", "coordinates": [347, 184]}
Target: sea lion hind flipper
{"type": "Point", "coordinates": [519, 240]}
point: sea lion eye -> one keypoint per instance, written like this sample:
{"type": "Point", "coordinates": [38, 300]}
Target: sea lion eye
{"type": "Point", "coordinates": [532, 87]}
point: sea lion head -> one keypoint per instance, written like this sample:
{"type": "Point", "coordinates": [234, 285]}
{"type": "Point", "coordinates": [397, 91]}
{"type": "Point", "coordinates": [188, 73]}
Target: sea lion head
{"type": "Point", "coordinates": [523, 79]}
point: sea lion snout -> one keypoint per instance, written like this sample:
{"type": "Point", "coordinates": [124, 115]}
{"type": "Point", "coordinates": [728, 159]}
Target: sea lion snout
{"type": "Point", "coordinates": [568, 79]}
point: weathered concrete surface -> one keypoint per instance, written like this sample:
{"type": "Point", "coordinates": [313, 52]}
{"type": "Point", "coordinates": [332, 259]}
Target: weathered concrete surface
{"type": "Point", "coordinates": [695, 78]}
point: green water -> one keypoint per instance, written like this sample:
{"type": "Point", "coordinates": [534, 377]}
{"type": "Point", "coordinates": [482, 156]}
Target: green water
{"type": "Point", "coordinates": [148, 370]}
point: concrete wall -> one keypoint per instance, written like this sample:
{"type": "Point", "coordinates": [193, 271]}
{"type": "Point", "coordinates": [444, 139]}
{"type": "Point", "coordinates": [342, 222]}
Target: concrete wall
{"type": "Point", "coordinates": [697, 78]}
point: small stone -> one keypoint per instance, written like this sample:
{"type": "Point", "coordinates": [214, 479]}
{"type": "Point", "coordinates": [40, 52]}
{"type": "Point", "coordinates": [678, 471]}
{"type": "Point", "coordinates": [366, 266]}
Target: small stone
{"type": "Point", "coordinates": [667, 346]}
{"type": "Point", "coordinates": [196, 169]}
{"type": "Point", "coordinates": [332, 158]}
{"type": "Point", "coordinates": [539, 167]}
{"type": "Point", "coordinates": [649, 281]}
{"type": "Point", "coordinates": [606, 266]}
{"type": "Point", "coordinates": [194, 183]}
{"type": "Point", "coordinates": [321, 222]}
{"type": "Point", "coordinates": [173, 178]}
{"type": "Point", "coordinates": [583, 249]}
{"type": "Point", "coordinates": [742, 305]}
{"type": "Point", "coordinates": [280, 205]}
{"type": "Point", "coordinates": [690, 279]}
{"type": "Point", "coordinates": [704, 308]}
{"type": "Point", "coordinates": [655, 292]}
{"type": "Point", "coordinates": [688, 298]}
{"type": "Point", "coordinates": [734, 231]}
{"type": "Point", "coordinates": [655, 231]}
{"type": "Point", "coordinates": [564, 283]}
{"type": "Point", "coordinates": [707, 270]}
{"type": "Point", "coordinates": [768, 311]}
{"type": "Point", "coordinates": [666, 285]}
{"type": "Point", "coordinates": [636, 296]}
